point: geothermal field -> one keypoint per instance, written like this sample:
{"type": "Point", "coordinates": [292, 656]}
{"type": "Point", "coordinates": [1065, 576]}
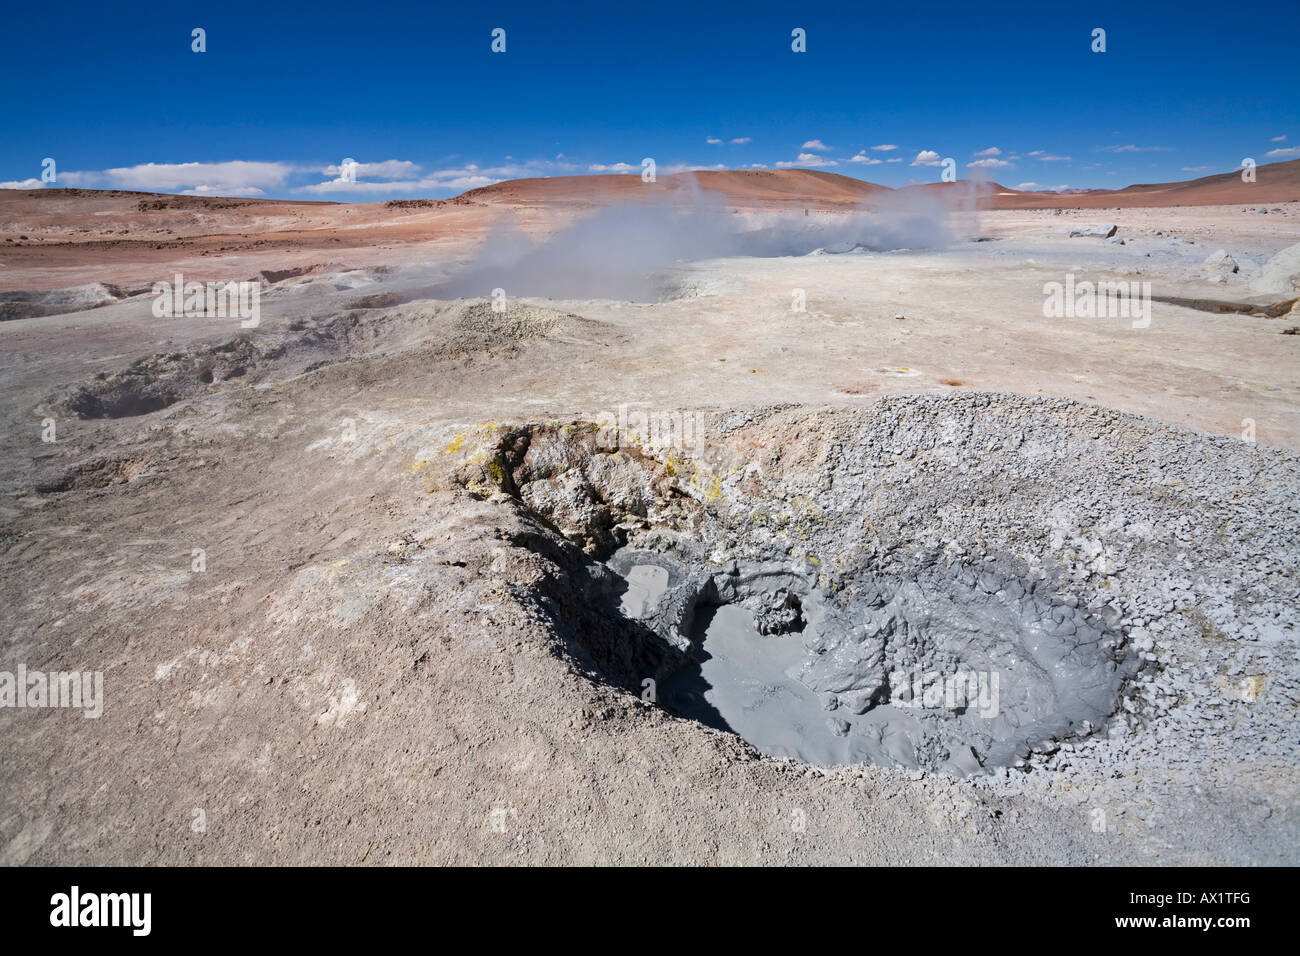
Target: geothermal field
{"type": "Point", "coordinates": [735, 517]}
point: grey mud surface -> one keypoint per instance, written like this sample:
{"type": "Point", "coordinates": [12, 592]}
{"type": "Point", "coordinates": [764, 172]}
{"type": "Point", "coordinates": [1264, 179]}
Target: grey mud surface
{"type": "Point", "coordinates": [1045, 671]}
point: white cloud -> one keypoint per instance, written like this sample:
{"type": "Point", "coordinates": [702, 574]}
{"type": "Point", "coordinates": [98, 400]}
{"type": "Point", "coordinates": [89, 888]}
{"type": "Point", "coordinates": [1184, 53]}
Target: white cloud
{"type": "Point", "coordinates": [388, 169]}
{"type": "Point", "coordinates": [884, 148]}
{"type": "Point", "coordinates": [927, 157]}
{"type": "Point", "coordinates": [399, 175]}
{"type": "Point", "coordinates": [223, 191]}
{"type": "Point", "coordinates": [896, 159]}
{"type": "Point", "coordinates": [236, 178]}
{"type": "Point", "coordinates": [742, 140]}
{"type": "Point", "coordinates": [758, 166]}
{"type": "Point", "coordinates": [991, 151]}
{"type": "Point", "coordinates": [989, 163]}
{"type": "Point", "coordinates": [1196, 169]}
{"type": "Point", "coordinates": [360, 186]}
{"type": "Point", "coordinates": [378, 180]}
{"type": "Point", "coordinates": [1288, 151]}
{"type": "Point", "coordinates": [1045, 157]}
{"type": "Point", "coordinates": [713, 141]}
{"type": "Point", "coordinates": [808, 159]}
{"type": "Point", "coordinates": [217, 177]}
{"type": "Point", "coordinates": [471, 173]}
{"type": "Point", "coordinates": [815, 144]}
{"type": "Point", "coordinates": [1130, 148]}
{"type": "Point", "coordinates": [1027, 186]}
{"type": "Point", "coordinates": [470, 176]}
{"type": "Point", "coordinates": [866, 160]}
{"type": "Point", "coordinates": [461, 184]}
{"type": "Point", "coordinates": [1278, 139]}
{"type": "Point", "coordinates": [456, 179]}
{"type": "Point", "coordinates": [68, 177]}
{"type": "Point", "coordinates": [688, 168]}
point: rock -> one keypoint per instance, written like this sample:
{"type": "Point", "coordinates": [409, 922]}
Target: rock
{"type": "Point", "coordinates": [841, 247]}
{"type": "Point", "coordinates": [1094, 232]}
{"type": "Point", "coordinates": [1221, 262]}
{"type": "Point", "coordinates": [1281, 274]}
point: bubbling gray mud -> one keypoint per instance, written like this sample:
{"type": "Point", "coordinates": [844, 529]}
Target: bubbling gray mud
{"type": "Point", "coordinates": [953, 670]}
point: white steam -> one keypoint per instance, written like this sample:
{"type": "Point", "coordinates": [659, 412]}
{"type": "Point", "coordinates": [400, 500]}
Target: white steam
{"type": "Point", "coordinates": [623, 251]}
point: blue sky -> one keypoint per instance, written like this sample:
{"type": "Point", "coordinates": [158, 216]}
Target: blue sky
{"type": "Point", "coordinates": [414, 94]}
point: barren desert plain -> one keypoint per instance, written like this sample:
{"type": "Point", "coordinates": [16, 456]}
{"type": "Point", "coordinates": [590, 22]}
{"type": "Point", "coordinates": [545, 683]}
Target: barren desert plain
{"type": "Point", "coordinates": [590, 520]}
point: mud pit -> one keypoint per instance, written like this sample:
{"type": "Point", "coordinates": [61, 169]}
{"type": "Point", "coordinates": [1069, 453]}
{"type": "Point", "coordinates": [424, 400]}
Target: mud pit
{"type": "Point", "coordinates": [921, 593]}
{"type": "Point", "coordinates": [954, 670]}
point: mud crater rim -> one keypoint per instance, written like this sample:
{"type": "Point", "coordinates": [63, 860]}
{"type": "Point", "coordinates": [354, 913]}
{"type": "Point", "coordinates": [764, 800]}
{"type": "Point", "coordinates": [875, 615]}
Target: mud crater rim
{"type": "Point", "coordinates": [959, 667]}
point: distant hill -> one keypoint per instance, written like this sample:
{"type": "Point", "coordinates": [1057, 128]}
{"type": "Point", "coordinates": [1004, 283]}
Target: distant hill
{"type": "Point", "coordinates": [1274, 182]}
{"type": "Point", "coordinates": [750, 188]}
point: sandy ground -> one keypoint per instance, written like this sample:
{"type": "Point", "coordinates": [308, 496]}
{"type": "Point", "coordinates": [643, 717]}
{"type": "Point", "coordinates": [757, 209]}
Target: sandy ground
{"type": "Point", "coordinates": [361, 671]}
